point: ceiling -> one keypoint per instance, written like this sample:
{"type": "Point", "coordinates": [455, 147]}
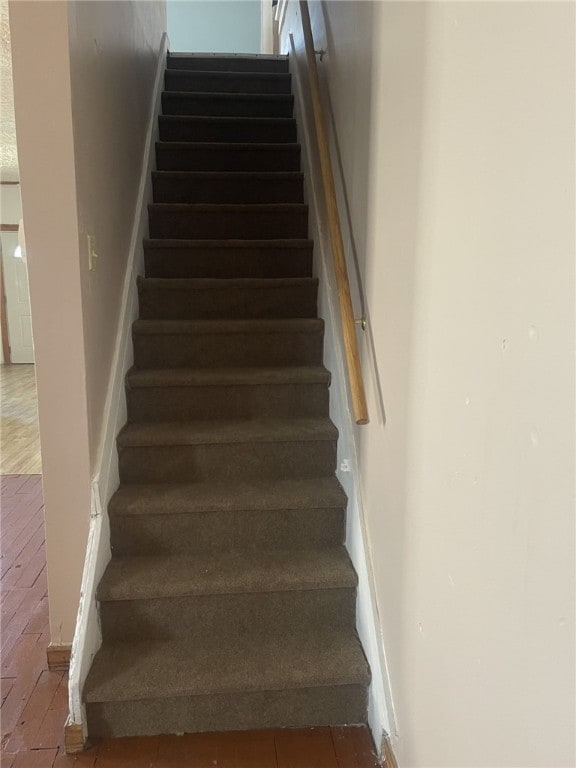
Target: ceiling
{"type": "Point", "coordinates": [8, 153]}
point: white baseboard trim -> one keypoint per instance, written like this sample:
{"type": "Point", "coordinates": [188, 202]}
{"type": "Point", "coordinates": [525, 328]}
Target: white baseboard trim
{"type": "Point", "coordinates": [88, 635]}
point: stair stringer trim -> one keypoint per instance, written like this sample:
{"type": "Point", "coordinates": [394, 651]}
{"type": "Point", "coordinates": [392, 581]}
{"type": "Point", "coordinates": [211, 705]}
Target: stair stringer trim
{"type": "Point", "coordinates": [88, 635]}
{"type": "Point", "coordinates": [380, 708]}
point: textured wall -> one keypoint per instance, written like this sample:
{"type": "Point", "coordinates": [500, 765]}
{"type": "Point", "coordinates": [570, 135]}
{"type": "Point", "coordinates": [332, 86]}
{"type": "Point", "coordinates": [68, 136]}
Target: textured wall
{"type": "Point", "coordinates": [8, 150]}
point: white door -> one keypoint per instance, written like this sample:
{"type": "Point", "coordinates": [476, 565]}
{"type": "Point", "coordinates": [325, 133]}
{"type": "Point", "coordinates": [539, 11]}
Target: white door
{"type": "Point", "coordinates": [17, 301]}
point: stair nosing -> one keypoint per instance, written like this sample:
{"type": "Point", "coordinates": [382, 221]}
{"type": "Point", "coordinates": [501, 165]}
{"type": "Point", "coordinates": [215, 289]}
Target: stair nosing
{"type": "Point", "coordinates": [190, 378]}
{"type": "Point", "coordinates": [144, 378]}
{"type": "Point", "coordinates": [247, 207]}
{"type": "Point", "coordinates": [229, 96]}
{"type": "Point", "coordinates": [240, 146]}
{"type": "Point", "coordinates": [161, 434]}
{"type": "Point", "coordinates": [228, 119]}
{"type": "Point", "coordinates": [277, 679]}
{"type": "Point", "coordinates": [321, 493]}
{"type": "Point", "coordinates": [269, 326]}
{"type": "Point", "coordinates": [276, 571]}
{"type": "Point", "coordinates": [230, 74]}
{"type": "Point", "coordinates": [176, 243]}
{"type": "Point", "coordinates": [227, 55]}
{"type": "Point", "coordinates": [223, 283]}
{"type": "Point", "coordinates": [236, 175]}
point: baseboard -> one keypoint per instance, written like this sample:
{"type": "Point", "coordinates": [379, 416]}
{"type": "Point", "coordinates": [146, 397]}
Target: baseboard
{"type": "Point", "coordinates": [58, 657]}
{"type": "Point", "coordinates": [87, 637]}
{"type": "Point", "coordinates": [73, 738]}
{"type": "Point", "coordinates": [388, 753]}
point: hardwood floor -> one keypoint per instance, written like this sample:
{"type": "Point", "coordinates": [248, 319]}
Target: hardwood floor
{"type": "Point", "coordinates": [35, 700]}
{"type": "Point", "coordinates": [307, 748]}
{"type": "Point", "coordinates": [19, 435]}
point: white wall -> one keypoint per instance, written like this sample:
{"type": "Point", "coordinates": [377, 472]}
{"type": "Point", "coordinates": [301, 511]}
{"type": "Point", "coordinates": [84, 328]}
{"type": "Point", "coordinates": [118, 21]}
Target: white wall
{"type": "Point", "coordinates": [86, 68]}
{"type": "Point", "coordinates": [46, 157]}
{"type": "Point", "coordinates": [10, 204]}
{"type": "Point", "coordinates": [223, 26]}
{"type": "Point", "coordinates": [10, 213]}
{"type": "Point", "coordinates": [455, 125]}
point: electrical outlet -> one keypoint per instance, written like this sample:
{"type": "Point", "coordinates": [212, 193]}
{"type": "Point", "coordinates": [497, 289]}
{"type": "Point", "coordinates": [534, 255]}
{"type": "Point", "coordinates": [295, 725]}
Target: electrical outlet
{"type": "Point", "coordinates": [92, 255]}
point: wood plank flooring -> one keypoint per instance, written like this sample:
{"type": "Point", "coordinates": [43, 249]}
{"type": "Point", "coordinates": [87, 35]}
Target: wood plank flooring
{"type": "Point", "coordinates": [19, 435]}
{"type": "Point", "coordinates": [35, 701]}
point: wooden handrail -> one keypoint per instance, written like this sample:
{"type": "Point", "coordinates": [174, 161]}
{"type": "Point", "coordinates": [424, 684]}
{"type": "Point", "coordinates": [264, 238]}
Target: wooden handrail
{"type": "Point", "coordinates": [343, 284]}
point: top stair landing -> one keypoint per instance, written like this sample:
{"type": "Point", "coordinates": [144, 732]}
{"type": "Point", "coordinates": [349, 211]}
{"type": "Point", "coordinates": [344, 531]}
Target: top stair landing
{"type": "Point", "coordinates": [227, 62]}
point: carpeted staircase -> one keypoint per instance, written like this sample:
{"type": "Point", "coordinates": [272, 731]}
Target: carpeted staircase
{"type": "Point", "coordinates": [229, 602]}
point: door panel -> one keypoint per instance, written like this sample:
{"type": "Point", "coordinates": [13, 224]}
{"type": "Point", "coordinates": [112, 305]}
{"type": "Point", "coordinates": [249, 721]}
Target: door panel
{"type": "Point", "coordinates": [17, 301]}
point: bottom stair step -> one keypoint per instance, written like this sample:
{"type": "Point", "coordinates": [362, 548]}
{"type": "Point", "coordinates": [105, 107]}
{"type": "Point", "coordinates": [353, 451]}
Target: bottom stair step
{"type": "Point", "coordinates": [147, 688]}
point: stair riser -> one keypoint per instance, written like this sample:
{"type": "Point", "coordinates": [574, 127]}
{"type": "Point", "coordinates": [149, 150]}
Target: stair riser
{"type": "Point", "coordinates": [217, 531]}
{"type": "Point", "coordinates": [226, 402]}
{"type": "Point", "coordinates": [226, 64]}
{"type": "Point", "coordinates": [229, 461]}
{"type": "Point", "coordinates": [178, 189]}
{"type": "Point", "coordinates": [233, 350]}
{"type": "Point", "coordinates": [294, 708]}
{"type": "Point", "coordinates": [215, 224]}
{"type": "Point", "coordinates": [214, 106]}
{"type": "Point", "coordinates": [227, 262]}
{"type": "Point", "coordinates": [183, 302]}
{"type": "Point", "coordinates": [174, 157]}
{"type": "Point", "coordinates": [185, 129]}
{"type": "Point", "coordinates": [203, 618]}
{"type": "Point", "coordinates": [225, 82]}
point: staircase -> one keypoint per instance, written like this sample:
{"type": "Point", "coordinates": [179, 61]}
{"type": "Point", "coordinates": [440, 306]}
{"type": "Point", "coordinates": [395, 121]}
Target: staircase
{"type": "Point", "coordinates": [229, 602]}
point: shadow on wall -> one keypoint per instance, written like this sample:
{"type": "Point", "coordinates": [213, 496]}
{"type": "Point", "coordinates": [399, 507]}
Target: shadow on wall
{"type": "Point", "coordinates": [222, 26]}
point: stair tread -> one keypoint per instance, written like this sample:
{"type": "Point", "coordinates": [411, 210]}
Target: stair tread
{"type": "Point", "coordinates": [227, 207]}
{"type": "Point", "coordinates": [180, 377]}
{"type": "Point", "coordinates": [125, 671]}
{"type": "Point", "coordinates": [176, 575]}
{"type": "Point", "coordinates": [295, 243]}
{"type": "Point", "coordinates": [218, 146]}
{"type": "Point", "coordinates": [223, 283]}
{"type": "Point", "coordinates": [161, 433]}
{"type": "Point", "coordinates": [232, 56]}
{"type": "Point", "coordinates": [220, 119]}
{"type": "Point", "coordinates": [224, 55]}
{"type": "Point", "coordinates": [223, 175]}
{"type": "Point", "coordinates": [223, 95]}
{"type": "Point", "coordinates": [230, 75]}
{"type": "Point", "coordinates": [267, 494]}
{"type": "Point", "coordinates": [270, 326]}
